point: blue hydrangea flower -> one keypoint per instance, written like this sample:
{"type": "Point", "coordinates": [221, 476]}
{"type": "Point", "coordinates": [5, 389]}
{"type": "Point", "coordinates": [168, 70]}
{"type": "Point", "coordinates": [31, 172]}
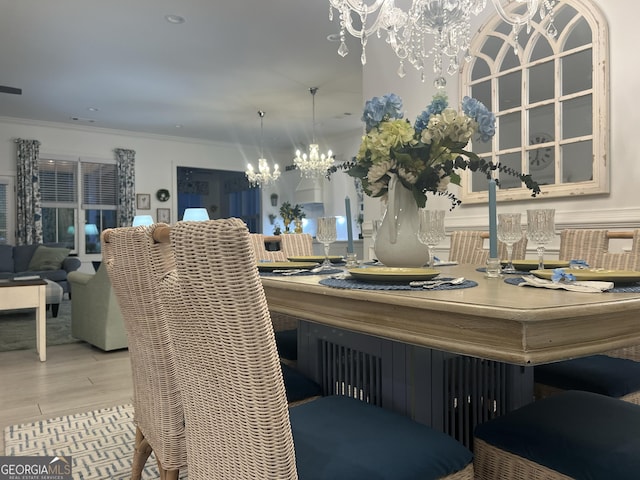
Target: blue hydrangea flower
{"type": "Point", "coordinates": [387, 107]}
{"type": "Point", "coordinates": [486, 119]}
{"type": "Point", "coordinates": [438, 104]}
{"type": "Point", "coordinates": [560, 275]}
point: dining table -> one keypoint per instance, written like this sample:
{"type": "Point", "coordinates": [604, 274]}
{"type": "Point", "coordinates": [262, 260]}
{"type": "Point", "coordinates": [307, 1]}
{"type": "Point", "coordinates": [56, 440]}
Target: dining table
{"type": "Point", "coordinates": [452, 357]}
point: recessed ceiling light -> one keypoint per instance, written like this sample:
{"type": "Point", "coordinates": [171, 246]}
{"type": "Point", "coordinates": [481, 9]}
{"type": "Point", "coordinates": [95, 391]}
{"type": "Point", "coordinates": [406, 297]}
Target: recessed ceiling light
{"type": "Point", "coordinates": [175, 19]}
{"type": "Point", "coordinates": [178, 125]}
{"type": "Point", "coordinates": [93, 109]}
{"type": "Point", "coordinates": [83, 119]}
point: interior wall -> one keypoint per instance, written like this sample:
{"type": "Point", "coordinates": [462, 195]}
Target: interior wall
{"type": "Point", "coordinates": [620, 209]}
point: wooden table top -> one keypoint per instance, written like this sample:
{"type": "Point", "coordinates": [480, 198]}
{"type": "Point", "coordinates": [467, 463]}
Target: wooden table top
{"type": "Point", "coordinates": [495, 320]}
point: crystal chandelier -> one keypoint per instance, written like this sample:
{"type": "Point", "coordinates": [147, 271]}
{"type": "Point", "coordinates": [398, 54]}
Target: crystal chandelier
{"type": "Point", "coordinates": [447, 22]}
{"type": "Point", "coordinates": [314, 165]}
{"type": "Point", "coordinates": [264, 176]}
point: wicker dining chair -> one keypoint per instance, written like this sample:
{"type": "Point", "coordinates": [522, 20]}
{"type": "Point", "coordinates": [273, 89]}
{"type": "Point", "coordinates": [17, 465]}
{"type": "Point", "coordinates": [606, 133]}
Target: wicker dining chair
{"type": "Point", "coordinates": [467, 247]}
{"type": "Point", "coordinates": [238, 425]}
{"type": "Point", "coordinates": [583, 244]}
{"type": "Point", "coordinates": [615, 373]}
{"type": "Point", "coordinates": [135, 274]}
{"type": "Point", "coordinates": [261, 252]}
{"type": "Point", "coordinates": [296, 244]}
{"type": "Point", "coordinates": [573, 435]}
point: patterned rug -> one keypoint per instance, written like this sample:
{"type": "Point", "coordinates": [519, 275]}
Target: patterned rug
{"type": "Point", "coordinates": [100, 443]}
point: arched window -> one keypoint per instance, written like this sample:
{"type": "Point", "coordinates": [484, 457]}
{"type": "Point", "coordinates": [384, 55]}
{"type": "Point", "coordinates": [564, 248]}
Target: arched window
{"type": "Point", "coordinates": [550, 100]}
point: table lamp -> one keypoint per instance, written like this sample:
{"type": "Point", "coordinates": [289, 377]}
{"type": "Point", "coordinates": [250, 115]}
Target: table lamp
{"type": "Point", "coordinates": [195, 215]}
{"type": "Point", "coordinates": [139, 220]}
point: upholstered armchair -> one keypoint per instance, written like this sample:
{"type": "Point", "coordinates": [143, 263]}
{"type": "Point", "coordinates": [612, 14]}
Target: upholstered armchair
{"type": "Point", "coordinates": [95, 313]}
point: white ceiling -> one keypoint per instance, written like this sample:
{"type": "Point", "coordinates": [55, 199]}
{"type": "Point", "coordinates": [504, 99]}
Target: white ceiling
{"type": "Point", "coordinates": [211, 74]}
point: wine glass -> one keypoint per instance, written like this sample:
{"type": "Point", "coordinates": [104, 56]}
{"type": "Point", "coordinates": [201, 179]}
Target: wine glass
{"type": "Point", "coordinates": [326, 234]}
{"type": "Point", "coordinates": [509, 232]}
{"type": "Point", "coordinates": [375, 226]}
{"type": "Point", "coordinates": [431, 231]}
{"type": "Point", "coordinates": [541, 229]}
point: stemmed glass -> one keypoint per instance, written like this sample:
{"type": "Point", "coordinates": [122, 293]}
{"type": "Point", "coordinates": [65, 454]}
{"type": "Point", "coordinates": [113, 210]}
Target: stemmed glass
{"type": "Point", "coordinates": [541, 229]}
{"type": "Point", "coordinates": [431, 231]}
{"type": "Point", "coordinates": [326, 234]}
{"type": "Point", "coordinates": [509, 232]}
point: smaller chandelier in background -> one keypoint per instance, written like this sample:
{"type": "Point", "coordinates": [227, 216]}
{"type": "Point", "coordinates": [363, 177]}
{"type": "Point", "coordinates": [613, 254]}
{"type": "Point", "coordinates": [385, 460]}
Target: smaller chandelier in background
{"type": "Point", "coordinates": [315, 164]}
{"type": "Point", "coordinates": [447, 23]}
{"type": "Point", "coordinates": [263, 176]}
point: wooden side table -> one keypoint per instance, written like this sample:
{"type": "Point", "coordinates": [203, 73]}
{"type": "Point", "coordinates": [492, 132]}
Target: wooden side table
{"type": "Point", "coordinates": [16, 294]}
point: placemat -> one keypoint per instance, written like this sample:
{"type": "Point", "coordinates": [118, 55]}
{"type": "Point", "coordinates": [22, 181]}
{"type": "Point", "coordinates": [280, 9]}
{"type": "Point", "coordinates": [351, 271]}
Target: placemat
{"type": "Point", "coordinates": [354, 284]}
{"type": "Point", "coordinates": [331, 271]}
{"type": "Point", "coordinates": [631, 288]}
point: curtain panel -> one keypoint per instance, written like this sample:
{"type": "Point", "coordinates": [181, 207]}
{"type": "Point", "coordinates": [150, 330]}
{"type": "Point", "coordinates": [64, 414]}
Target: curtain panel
{"type": "Point", "coordinates": [126, 186]}
{"type": "Point", "coordinates": [29, 204]}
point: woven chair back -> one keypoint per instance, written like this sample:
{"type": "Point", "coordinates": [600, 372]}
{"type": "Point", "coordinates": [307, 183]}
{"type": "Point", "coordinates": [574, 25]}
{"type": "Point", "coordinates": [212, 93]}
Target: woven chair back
{"type": "Point", "coordinates": [296, 244]}
{"type": "Point", "coordinates": [228, 368]}
{"type": "Point", "coordinates": [467, 247]}
{"type": "Point", "coordinates": [635, 246]}
{"type": "Point", "coordinates": [135, 264]}
{"type": "Point", "coordinates": [261, 253]}
{"type": "Point", "coordinates": [583, 244]}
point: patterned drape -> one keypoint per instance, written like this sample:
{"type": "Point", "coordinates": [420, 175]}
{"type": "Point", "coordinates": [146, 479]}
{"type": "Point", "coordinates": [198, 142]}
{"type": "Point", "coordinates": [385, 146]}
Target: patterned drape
{"type": "Point", "coordinates": [126, 160]}
{"type": "Point", "coordinates": [29, 211]}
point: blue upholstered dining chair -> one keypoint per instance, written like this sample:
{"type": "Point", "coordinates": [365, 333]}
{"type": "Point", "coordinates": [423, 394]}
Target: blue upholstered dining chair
{"type": "Point", "coordinates": [615, 373]}
{"type": "Point", "coordinates": [572, 435]}
{"type": "Point", "coordinates": [238, 424]}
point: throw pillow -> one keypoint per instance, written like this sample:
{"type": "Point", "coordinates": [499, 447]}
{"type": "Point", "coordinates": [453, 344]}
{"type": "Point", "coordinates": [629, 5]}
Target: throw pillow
{"type": "Point", "coordinates": [48, 258]}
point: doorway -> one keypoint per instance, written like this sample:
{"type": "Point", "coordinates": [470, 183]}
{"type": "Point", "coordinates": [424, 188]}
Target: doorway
{"type": "Point", "coordinates": [223, 193]}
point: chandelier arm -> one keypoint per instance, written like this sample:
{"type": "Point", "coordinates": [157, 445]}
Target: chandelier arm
{"type": "Point", "coordinates": [514, 19]}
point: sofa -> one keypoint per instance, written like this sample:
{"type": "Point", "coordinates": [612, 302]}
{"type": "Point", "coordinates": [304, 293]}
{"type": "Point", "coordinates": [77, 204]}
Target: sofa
{"type": "Point", "coordinates": [50, 261]}
{"type": "Point", "coordinates": [95, 312]}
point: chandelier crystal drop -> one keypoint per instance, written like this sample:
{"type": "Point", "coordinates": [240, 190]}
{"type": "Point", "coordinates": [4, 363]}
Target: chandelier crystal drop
{"type": "Point", "coordinates": [314, 165]}
{"type": "Point", "coordinates": [440, 29]}
{"type": "Point", "coordinates": [263, 177]}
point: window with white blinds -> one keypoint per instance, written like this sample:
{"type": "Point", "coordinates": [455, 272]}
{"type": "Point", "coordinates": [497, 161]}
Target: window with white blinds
{"type": "Point", "coordinates": [99, 185]}
{"type": "Point", "coordinates": [58, 183]}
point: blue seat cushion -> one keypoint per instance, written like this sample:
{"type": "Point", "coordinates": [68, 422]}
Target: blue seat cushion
{"type": "Point", "coordinates": [342, 438]}
{"type": "Point", "coordinates": [581, 434]}
{"type": "Point", "coordinates": [614, 377]}
{"type": "Point", "coordinates": [297, 385]}
{"type": "Point", "coordinates": [287, 344]}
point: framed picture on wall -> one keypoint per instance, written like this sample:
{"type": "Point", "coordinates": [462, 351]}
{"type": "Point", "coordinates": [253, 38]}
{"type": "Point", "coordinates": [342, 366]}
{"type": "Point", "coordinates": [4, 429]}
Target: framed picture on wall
{"type": "Point", "coordinates": [163, 215]}
{"type": "Point", "coordinates": [143, 201]}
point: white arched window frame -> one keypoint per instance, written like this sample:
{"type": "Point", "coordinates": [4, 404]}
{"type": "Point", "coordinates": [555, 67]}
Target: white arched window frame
{"type": "Point", "coordinates": [552, 118]}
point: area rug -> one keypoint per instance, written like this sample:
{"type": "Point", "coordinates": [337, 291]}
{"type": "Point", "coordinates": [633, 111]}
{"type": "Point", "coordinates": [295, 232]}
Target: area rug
{"type": "Point", "coordinates": [100, 443]}
{"type": "Point", "coordinates": [18, 328]}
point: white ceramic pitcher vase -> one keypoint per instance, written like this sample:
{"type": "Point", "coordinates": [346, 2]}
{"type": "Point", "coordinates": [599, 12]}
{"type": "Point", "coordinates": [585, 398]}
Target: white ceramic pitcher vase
{"type": "Point", "coordinates": [397, 243]}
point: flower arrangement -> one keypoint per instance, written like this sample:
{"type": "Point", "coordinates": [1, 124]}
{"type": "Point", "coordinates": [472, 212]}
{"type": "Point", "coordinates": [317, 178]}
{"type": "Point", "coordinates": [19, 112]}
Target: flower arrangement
{"type": "Point", "coordinates": [427, 156]}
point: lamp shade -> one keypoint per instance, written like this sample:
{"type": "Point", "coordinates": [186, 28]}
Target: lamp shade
{"type": "Point", "coordinates": [195, 215]}
{"type": "Point", "coordinates": [139, 220]}
{"type": "Point", "coordinates": [90, 229]}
